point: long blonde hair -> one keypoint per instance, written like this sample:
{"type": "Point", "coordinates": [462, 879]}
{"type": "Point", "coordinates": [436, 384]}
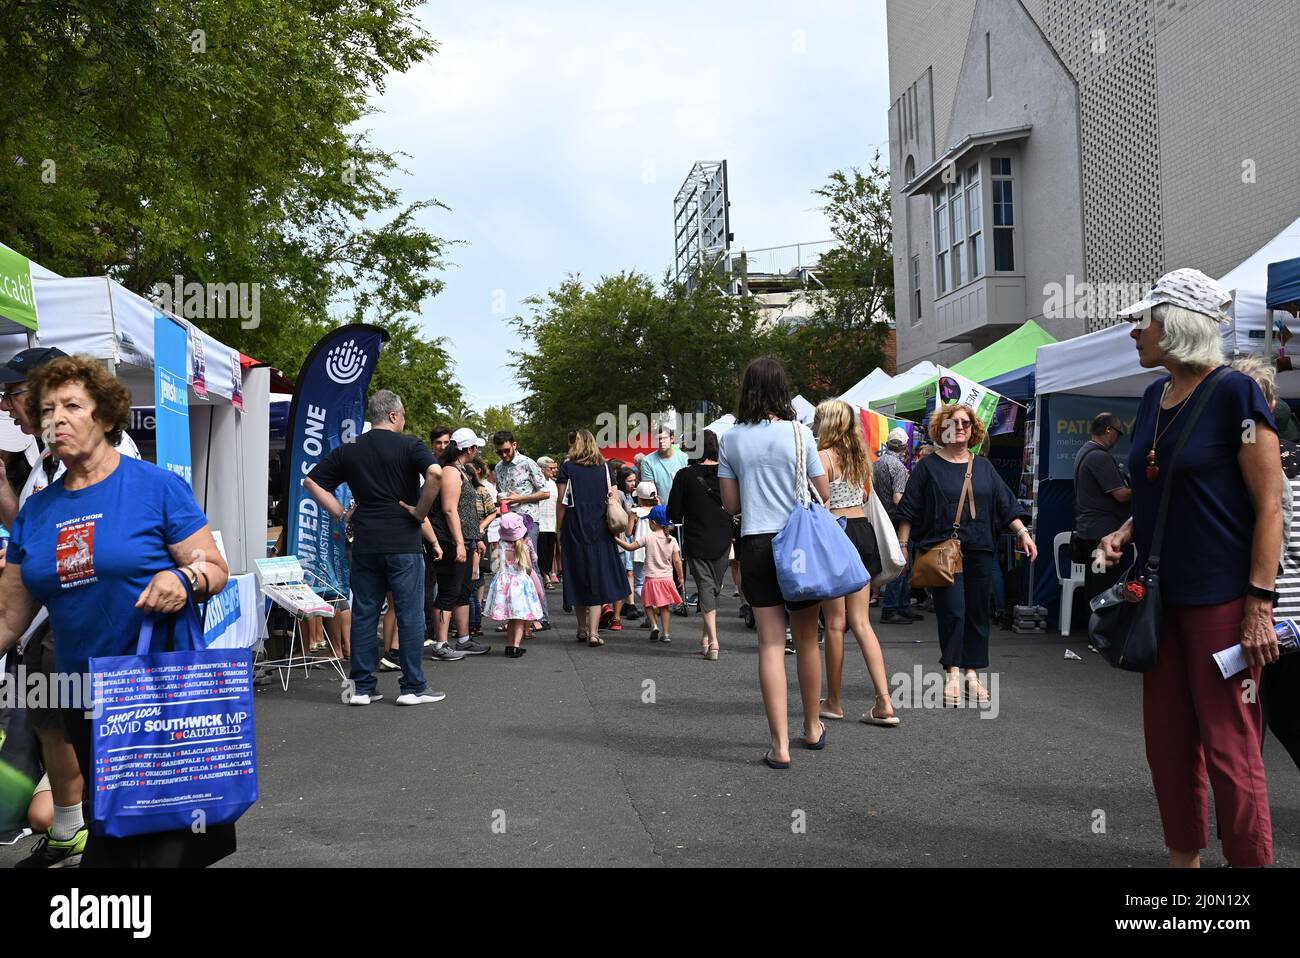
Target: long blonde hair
{"type": "Point", "coordinates": [838, 431]}
{"type": "Point", "coordinates": [523, 554]}
{"type": "Point", "coordinates": [583, 450]}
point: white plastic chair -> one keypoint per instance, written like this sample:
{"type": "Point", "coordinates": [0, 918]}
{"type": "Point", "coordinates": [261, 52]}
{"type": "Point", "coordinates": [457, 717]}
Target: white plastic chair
{"type": "Point", "coordinates": [1078, 573]}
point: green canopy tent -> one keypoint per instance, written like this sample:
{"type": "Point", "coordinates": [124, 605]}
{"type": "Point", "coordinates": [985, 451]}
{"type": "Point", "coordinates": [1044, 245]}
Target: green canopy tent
{"type": "Point", "coordinates": [17, 298]}
{"type": "Point", "coordinates": [1013, 351]}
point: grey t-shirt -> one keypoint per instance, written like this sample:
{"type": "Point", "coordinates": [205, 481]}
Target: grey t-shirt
{"type": "Point", "coordinates": [760, 456]}
{"type": "Point", "coordinates": [1096, 513]}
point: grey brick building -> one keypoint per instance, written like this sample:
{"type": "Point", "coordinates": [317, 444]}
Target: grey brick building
{"type": "Point", "coordinates": [1036, 145]}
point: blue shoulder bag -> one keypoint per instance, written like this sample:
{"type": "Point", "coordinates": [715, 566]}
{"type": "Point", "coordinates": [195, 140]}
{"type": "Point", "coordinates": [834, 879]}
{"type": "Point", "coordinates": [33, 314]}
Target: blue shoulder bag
{"type": "Point", "coordinates": [814, 557]}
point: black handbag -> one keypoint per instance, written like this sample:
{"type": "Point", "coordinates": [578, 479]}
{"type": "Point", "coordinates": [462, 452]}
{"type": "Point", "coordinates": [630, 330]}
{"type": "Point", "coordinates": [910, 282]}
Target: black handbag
{"type": "Point", "coordinates": [1126, 618]}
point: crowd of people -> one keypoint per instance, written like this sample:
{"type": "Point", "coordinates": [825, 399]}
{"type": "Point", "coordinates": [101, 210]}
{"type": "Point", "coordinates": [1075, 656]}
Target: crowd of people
{"type": "Point", "coordinates": [443, 544]}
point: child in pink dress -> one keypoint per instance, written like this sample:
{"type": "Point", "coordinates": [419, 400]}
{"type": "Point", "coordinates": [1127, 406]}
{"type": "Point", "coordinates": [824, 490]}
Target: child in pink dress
{"type": "Point", "coordinates": [515, 595]}
{"type": "Point", "coordinates": [663, 558]}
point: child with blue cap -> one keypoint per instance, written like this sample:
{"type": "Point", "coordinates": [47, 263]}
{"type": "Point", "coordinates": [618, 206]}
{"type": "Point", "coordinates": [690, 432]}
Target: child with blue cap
{"type": "Point", "coordinates": [663, 567]}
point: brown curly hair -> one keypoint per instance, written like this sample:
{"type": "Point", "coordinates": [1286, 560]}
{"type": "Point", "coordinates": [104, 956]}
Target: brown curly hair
{"type": "Point", "coordinates": [111, 398]}
{"type": "Point", "coordinates": [940, 418]}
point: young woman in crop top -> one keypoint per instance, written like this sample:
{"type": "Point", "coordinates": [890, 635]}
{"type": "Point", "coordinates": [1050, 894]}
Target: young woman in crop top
{"type": "Point", "coordinates": [844, 457]}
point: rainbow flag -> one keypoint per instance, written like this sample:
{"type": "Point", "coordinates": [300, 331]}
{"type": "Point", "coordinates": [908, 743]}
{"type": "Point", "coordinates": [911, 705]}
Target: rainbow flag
{"type": "Point", "coordinates": [876, 429]}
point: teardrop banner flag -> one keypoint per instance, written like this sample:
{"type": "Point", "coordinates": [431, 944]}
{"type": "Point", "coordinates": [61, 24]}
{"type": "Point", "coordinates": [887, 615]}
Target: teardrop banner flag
{"type": "Point", "coordinates": [958, 389]}
{"type": "Point", "coordinates": [329, 409]}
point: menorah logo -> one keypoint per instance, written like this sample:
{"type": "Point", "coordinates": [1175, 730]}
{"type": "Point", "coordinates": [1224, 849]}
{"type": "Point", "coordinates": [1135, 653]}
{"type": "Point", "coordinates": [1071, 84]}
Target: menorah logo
{"type": "Point", "coordinates": [345, 363]}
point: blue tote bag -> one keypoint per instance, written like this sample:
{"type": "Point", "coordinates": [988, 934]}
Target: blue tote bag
{"type": "Point", "coordinates": [814, 557]}
{"type": "Point", "coordinates": [172, 736]}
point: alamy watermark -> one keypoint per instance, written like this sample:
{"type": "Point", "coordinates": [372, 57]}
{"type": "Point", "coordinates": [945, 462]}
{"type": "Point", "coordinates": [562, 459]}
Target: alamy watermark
{"type": "Point", "coordinates": [37, 689]}
{"type": "Point", "coordinates": [625, 428]}
{"type": "Point", "coordinates": [1083, 300]}
{"type": "Point", "coordinates": [195, 300]}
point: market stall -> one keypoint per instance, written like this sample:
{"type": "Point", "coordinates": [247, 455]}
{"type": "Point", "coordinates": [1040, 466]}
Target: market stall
{"type": "Point", "coordinates": [1012, 352]}
{"type": "Point", "coordinates": [227, 413]}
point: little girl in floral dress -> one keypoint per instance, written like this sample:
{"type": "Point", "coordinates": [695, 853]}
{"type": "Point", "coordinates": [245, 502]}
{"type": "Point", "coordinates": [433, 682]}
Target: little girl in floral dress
{"type": "Point", "coordinates": [515, 596]}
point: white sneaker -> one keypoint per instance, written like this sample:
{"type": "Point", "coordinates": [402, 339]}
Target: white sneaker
{"type": "Point", "coordinates": [358, 699]}
{"type": "Point", "coordinates": [420, 698]}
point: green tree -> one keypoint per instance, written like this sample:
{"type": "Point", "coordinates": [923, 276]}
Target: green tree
{"type": "Point", "coordinates": [844, 338]}
{"type": "Point", "coordinates": [626, 343]}
{"type": "Point", "coordinates": [220, 141]}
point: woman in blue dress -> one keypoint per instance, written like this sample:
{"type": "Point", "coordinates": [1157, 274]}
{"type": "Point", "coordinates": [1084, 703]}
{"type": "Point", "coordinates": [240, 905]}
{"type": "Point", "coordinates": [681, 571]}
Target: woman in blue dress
{"type": "Point", "coordinates": [593, 572]}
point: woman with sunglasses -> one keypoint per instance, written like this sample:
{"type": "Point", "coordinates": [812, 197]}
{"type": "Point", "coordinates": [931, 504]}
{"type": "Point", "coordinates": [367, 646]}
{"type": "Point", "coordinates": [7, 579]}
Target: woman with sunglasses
{"type": "Point", "coordinates": [926, 513]}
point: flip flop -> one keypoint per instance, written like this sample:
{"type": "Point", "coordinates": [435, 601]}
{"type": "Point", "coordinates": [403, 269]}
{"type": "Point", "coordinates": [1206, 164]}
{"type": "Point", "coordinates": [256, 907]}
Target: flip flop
{"type": "Point", "coordinates": [770, 762]}
{"type": "Point", "coordinates": [869, 718]}
{"type": "Point", "coordinates": [828, 714]}
{"type": "Point", "coordinates": [819, 744]}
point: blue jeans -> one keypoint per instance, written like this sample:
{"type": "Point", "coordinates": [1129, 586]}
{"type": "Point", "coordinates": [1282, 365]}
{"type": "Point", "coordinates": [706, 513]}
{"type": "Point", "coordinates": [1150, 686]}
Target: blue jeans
{"type": "Point", "coordinates": [898, 594]}
{"type": "Point", "coordinates": [475, 613]}
{"type": "Point", "coordinates": [372, 577]}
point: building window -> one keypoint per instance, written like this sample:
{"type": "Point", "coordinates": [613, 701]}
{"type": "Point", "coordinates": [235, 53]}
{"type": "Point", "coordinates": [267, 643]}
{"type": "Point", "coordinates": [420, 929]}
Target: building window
{"type": "Point", "coordinates": [909, 170]}
{"type": "Point", "coordinates": [1004, 217]}
{"type": "Point", "coordinates": [974, 221]}
{"type": "Point", "coordinates": [957, 220]}
{"type": "Point", "coordinates": [940, 241]}
{"type": "Point", "coordinates": [916, 290]}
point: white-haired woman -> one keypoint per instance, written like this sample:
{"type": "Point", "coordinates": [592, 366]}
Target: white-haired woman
{"type": "Point", "coordinates": [1218, 564]}
{"type": "Point", "coordinates": [1279, 686]}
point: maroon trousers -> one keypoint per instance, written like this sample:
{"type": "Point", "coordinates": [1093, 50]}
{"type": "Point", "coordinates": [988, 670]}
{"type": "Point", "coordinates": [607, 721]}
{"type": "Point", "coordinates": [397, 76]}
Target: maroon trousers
{"type": "Point", "coordinates": [1197, 721]}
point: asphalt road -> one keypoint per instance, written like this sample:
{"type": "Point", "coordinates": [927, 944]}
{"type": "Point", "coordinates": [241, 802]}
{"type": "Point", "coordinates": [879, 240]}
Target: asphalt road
{"type": "Point", "coordinates": [558, 759]}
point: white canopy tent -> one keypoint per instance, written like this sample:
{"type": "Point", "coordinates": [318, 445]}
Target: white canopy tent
{"type": "Point", "coordinates": [922, 372]}
{"type": "Point", "coordinates": [719, 426]}
{"type": "Point", "coordinates": [804, 410]}
{"type": "Point", "coordinates": [99, 317]}
{"type": "Point", "coordinates": [875, 384]}
{"type": "Point", "coordinates": [1105, 363]}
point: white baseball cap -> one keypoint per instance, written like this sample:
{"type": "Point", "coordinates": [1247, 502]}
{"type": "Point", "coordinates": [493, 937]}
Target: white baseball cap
{"type": "Point", "coordinates": [646, 490]}
{"type": "Point", "coordinates": [464, 438]}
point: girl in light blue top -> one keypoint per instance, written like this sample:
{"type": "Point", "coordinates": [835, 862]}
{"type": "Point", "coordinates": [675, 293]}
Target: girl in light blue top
{"type": "Point", "coordinates": [756, 469]}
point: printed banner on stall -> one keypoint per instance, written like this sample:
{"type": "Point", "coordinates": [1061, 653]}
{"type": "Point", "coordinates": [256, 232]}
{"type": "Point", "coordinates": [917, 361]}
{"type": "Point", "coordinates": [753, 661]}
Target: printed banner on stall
{"type": "Point", "coordinates": [1069, 425]}
{"type": "Point", "coordinates": [236, 381]}
{"type": "Point", "coordinates": [329, 406]}
{"type": "Point", "coordinates": [171, 396]}
{"type": "Point", "coordinates": [876, 429]}
{"type": "Point", "coordinates": [198, 365]}
{"type": "Point", "coordinates": [954, 388]}
{"type": "Point", "coordinates": [234, 615]}
{"type": "Point", "coordinates": [17, 298]}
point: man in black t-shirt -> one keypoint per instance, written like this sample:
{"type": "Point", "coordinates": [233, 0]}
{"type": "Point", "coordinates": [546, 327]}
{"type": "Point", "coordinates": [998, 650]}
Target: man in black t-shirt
{"type": "Point", "coordinates": [383, 469]}
{"type": "Point", "coordinates": [1101, 501]}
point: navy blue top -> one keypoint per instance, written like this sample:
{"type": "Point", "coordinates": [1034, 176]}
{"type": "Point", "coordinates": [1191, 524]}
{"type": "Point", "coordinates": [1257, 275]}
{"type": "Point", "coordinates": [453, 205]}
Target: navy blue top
{"type": "Point", "coordinates": [930, 501]}
{"type": "Point", "coordinates": [1205, 557]}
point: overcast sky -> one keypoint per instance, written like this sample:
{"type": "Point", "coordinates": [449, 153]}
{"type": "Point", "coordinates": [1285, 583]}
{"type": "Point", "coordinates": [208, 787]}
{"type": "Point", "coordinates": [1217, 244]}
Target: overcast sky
{"type": "Point", "coordinates": [559, 132]}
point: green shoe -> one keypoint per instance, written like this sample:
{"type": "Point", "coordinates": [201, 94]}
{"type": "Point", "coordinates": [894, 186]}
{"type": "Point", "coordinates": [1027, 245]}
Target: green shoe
{"type": "Point", "coordinates": [49, 853]}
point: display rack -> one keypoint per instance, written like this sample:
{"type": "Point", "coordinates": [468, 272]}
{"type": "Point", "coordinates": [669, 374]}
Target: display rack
{"type": "Point", "coordinates": [303, 595]}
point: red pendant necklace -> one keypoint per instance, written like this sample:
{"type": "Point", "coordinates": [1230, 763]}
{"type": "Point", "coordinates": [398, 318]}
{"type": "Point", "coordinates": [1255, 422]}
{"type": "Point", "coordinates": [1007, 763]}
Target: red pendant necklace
{"type": "Point", "coordinates": [1153, 470]}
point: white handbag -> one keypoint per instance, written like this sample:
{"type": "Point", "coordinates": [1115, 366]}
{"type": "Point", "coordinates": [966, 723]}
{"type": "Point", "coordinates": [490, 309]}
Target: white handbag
{"type": "Point", "coordinates": [892, 561]}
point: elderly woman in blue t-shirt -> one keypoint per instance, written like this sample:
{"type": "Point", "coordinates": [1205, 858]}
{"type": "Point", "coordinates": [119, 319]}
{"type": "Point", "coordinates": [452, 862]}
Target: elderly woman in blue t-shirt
{"type": "Point", "coordinates": [1218, 565]}
{"type": "Point", "coordinates": [104, 545]}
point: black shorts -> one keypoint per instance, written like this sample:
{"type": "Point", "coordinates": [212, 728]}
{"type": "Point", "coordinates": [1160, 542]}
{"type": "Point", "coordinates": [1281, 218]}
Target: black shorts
{"type": "Point", "coordinates": [453, 578]}
{"type": "Point", "coordinates": [39, 659]}
{"type": "Point", "coordinates": [758, 574]}
{"type": "Point", "coordinates": [863, 537]}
